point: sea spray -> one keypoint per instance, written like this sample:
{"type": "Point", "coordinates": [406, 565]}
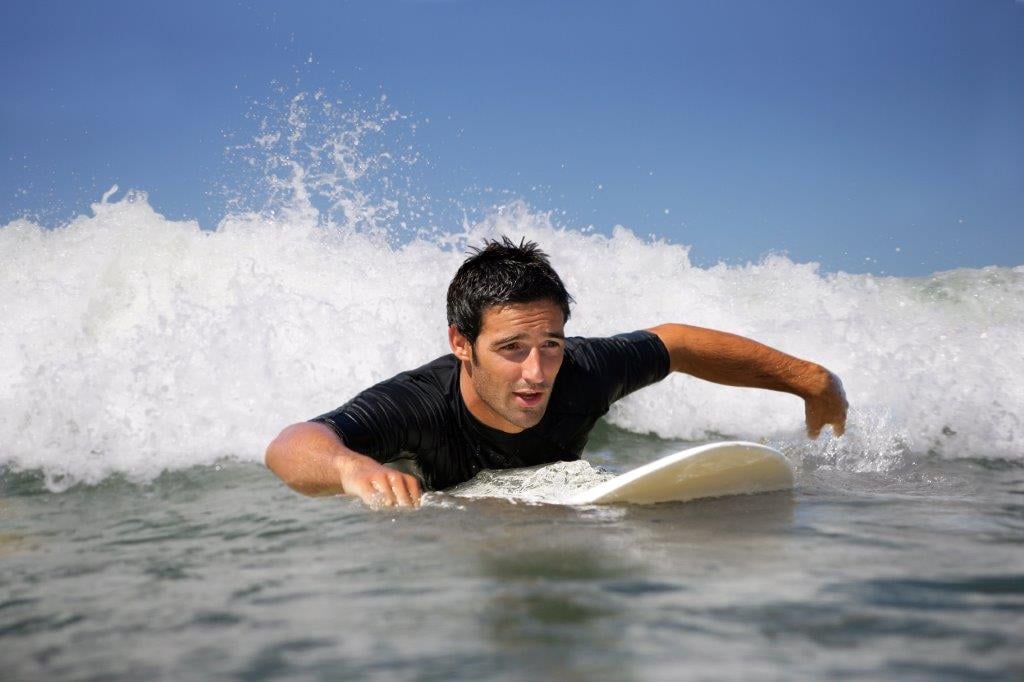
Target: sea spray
{"type": "Point", "coordinates": [314, 159]}
{"type": "Point", "coordinates": [554, 483]}
{"type": "Point", "coordinates": [873, 443]}
{"type": "Point", "coordinates": [134, 344]}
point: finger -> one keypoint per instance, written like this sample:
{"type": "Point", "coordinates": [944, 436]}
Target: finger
{"type": "Point", "coordinates": [844, 409]}
{"type": "Point", "coordinates": [401, 494]}
{"type": "Point", "coordinates": [814, 423]}
{"type": "Point", "coordinates": [839, 426]}
{"type": "Point", "coordinates": [369, 495]}
{"type": "Point", "coordinates": [414, 489]}
{"type": "Point", "coordinates": [383, 488]}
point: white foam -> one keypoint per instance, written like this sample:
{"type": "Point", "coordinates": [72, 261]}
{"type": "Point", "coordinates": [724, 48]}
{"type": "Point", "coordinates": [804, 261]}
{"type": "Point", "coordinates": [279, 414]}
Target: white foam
{"type": "Point", "coordinates": [556, 483]}
{"type": "Point", "coordinates": [133, 344]}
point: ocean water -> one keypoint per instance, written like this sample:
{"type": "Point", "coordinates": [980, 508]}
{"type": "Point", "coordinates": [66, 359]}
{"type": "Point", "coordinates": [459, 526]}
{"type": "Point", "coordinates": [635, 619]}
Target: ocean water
{"type": "Point", "coordinates": [145, 363]}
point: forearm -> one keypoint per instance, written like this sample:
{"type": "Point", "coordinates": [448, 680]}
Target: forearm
{"type": "Point", "coordinates": [737, 361]}
{"type": "Point", "coordinates": [311, 459]}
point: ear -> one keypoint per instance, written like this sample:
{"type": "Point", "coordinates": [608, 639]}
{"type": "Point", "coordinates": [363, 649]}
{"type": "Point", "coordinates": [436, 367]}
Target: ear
{"type": "Point", "coordinates": [460, 345]}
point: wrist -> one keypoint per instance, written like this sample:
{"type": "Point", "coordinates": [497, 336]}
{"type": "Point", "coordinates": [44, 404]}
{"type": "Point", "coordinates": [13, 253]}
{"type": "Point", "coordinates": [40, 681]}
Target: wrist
{"type": "Point", "coordinates": [813, 380]}
{"type": "Point", "coordinates": [348, 463]}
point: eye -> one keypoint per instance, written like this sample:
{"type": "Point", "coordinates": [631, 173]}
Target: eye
{"type": "Point", "coordinates": [510, 347]}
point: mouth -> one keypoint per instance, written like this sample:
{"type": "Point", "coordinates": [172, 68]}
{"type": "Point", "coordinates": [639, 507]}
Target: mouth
{"type": "Point", "coordinates": [528, 398]}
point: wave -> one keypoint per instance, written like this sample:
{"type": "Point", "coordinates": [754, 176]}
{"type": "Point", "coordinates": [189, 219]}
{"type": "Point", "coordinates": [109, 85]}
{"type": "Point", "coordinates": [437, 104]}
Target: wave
{"type": "Point", "coordinates": [134, 344]}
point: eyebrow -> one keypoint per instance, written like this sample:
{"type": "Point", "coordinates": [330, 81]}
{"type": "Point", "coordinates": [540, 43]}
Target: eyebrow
{"type": "Point", "coordinates": [516, 337]}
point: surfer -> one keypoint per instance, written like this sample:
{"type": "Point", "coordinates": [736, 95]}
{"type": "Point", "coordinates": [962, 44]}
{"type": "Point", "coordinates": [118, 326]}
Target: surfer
{"type": "Point", "coordinates": [515, 391]}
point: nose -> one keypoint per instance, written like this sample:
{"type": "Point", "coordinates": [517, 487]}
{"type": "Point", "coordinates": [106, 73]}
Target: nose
{"type": "Point", "coordinates": [533, 369]}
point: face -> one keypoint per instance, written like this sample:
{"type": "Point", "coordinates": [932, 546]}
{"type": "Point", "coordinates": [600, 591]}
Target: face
{"type": "Point", "coordinates": [507, 376]}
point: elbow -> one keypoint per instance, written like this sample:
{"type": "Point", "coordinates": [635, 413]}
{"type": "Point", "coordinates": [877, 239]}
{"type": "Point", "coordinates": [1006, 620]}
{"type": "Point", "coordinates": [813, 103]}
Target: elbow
{"type": "Point", "coordinates": [295, 456]}
{"type": "Point", "coordinates": [277, 452]}
{"type": "Point", "coordinates": [271, 455]}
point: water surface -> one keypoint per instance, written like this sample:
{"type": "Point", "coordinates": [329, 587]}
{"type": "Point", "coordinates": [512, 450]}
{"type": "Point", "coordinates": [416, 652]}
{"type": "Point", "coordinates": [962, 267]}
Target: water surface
{"type": "Point", "coordinates": [220, 572]}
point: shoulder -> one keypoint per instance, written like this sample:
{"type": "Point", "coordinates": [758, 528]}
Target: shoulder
{"type": "Point", "coordinates": [595, 353]}
{"type": "Point", "coordinates": [599, 371]}
{"type": "Point", "coordinates": [426, 387]}
{"type": "Point", "coordinates": [408, 394]}
{"type": "Point", "coordinates": [439, 372]}
{"type": "Point", "coordinates": [404, 412]}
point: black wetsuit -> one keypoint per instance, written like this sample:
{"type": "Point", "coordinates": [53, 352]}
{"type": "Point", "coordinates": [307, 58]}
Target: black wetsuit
{"type": "Point", "coordinates": [420, 414]}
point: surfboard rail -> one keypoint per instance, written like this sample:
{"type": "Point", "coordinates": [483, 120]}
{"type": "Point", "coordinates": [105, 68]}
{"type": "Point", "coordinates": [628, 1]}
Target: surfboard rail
{"type": "Point", "coordinates": [711, 470]}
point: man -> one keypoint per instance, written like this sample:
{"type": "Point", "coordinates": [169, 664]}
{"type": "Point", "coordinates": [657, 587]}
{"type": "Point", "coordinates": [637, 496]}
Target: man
{"type": "Point", "coordinates": [515, 391]}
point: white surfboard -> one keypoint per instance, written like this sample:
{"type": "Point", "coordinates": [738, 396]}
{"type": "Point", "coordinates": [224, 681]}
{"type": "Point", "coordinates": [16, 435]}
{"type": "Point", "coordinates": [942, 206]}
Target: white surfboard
{"type": "Point", "coordinates": [713, 470]}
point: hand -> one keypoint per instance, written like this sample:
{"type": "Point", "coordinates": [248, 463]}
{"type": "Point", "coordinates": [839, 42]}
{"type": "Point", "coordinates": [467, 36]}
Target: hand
{"type": "Point", "coordinates": [826, 406]}
{"type": "Point", "coordinates": [377, 485]}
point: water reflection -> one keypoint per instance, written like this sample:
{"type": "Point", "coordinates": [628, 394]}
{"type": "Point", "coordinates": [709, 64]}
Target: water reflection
{"type": "Point", "coordinates": [549, 613]}
{"type": "Point", "coordinates": [564, 590]}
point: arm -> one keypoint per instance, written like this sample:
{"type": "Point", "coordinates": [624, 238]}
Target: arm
{"type": "Point", "coordinates": [311, 459]}
{"type": "Point", "coordinates": [737, 361]}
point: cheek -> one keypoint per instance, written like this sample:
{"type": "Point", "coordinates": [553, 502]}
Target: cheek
{"type": "Point", "coordinates": [504, 371]}
{"type": "Point", "coordinates": [498, 374]}
{"type": "Point", "coordinates": [552, 365]}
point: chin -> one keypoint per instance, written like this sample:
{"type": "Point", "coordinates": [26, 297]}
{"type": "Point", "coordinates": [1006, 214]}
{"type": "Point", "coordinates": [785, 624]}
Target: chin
{"type": "Point", "coordinates": [529, 419]}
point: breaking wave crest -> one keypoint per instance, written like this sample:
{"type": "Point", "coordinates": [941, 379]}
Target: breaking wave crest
{"type": "Point", "coordinates": [134, 344]}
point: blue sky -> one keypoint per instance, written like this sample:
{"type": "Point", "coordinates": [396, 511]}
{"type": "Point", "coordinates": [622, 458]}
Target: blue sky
{"type": "Point", "coordinates": [867, 136]}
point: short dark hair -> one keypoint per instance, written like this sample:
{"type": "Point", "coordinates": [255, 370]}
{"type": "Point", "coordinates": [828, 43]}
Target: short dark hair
{"type": "Point", "coordinates": [501, 273]}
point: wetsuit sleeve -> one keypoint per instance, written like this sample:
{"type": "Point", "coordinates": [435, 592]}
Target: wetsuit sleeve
{"type": "Point", "coordinates": [622, 364]}
{"type": "Point", "coordinates": [402, 414]}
